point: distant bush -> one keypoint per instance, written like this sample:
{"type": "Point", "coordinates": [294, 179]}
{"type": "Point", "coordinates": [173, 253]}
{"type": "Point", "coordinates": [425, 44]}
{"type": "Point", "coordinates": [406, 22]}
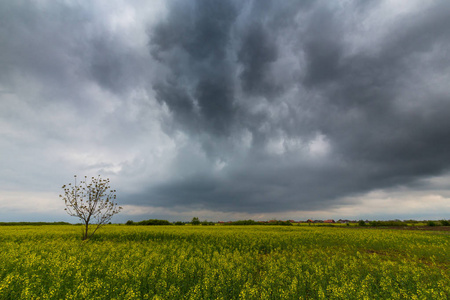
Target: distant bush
{"type": "Point", "coordinates": [283, 223]}
{"type": "Point", "coordinates": [431, 223]}
{"type": "Point", "coordinates": [243, 222]}
{"type": "Point", "coordinates": [411, 221]}
{"type": "Point", "coordinates": [252, 222]}
{"type": "Point", "coordinates": [149, 222]}
{"type": "Point", "coordinates": [178, 223]}
{"type": "Point", "coordinates": [207, 223]}
{"type": "Point", "coordinates": [361, 223]}
{"type": "Point", "coordinates": [32, 223]}
{"type": "Point", "coordinates": [387, 223]}
{"type": "Point", "coordinates": [445, 223]}
{"type": "Point", "coordinates": [195, 221]}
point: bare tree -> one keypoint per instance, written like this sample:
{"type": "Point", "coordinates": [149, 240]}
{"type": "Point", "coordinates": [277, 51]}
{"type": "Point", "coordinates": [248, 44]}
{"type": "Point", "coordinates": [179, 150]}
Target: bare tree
{"type": "Point", "coordinates": [90, 202]}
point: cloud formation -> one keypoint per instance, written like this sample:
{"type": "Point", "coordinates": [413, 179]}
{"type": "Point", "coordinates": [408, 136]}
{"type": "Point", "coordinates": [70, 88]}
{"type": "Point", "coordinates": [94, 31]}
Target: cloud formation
{"type": "Point", "coordinates": [228, 106]}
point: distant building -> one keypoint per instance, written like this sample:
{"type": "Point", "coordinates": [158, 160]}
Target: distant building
{"type": "Point", "coordinates": [329, 221]}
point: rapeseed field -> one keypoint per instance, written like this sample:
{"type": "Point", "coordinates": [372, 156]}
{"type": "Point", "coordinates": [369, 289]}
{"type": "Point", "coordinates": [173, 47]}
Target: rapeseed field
{"type": "Point", "coordinates": [223, 262]}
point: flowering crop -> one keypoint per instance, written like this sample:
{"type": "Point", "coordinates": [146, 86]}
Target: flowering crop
{"type": "Point", "coordinates": [223, 262]}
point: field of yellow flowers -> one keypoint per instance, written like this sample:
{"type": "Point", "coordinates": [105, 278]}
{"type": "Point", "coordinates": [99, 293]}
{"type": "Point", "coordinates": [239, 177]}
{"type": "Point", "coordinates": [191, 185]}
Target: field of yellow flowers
{"type": "Point", "coordinates": [223, 262]}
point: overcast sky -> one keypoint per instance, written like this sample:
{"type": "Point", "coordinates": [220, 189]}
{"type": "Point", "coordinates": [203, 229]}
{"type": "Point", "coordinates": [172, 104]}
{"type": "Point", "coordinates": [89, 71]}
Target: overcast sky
{"type": "Point", "coordinates": [227, 110]}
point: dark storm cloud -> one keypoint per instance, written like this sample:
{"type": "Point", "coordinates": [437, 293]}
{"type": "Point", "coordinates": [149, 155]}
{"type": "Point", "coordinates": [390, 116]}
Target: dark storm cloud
{"type": "Point", "coordinates": [380, 132]}
{"type": "Point", "coordinates": [232, 106]}
{"type": "Point", "coordinates": [322, 47]}
{"type": "Point", "coordinates": [401, 143]}
{"type": "Point", "coordinates": [257, 51]}
{"type": "Point", "coordinates": [193, 43]}
{"type": "Point", "coordinates": [268, 186]}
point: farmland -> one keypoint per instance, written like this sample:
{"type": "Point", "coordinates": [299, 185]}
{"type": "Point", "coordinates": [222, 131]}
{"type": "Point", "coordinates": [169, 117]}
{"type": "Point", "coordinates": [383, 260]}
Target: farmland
{"type": "Point", "coordinates": [223, 262]}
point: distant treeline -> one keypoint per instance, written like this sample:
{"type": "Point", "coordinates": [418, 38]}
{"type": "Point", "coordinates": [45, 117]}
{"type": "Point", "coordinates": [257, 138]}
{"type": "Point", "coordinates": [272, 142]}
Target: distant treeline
{"type": "Point", "coordinates": [32, 223]}
{"type": "Point", "coordinates": [252, 222]}
{"type": "Point", "coordinates": [149, 222]}
{"type": "Point", "coordinates": [402, 223]}
{"type": "Point", "coordinates": [386, 223]}
{"type": "Point", "coordinates": [196, 222]}
{"type": "Point", "coordinates": [396, 223]}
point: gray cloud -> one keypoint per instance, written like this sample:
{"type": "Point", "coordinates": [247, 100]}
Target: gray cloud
{"type": "Point", "coordinates": [230, 106]}
{"type": "Point", "coordinates": [193, 44]}
{"type": "Point", "coordinates": [357, 99]}
{"type": "Point", "coordinates": [257, 51]}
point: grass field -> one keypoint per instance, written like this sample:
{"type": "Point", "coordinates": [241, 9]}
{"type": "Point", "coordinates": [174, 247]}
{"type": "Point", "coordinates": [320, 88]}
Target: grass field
{"type": "Point", "coordinates": [223, 262]}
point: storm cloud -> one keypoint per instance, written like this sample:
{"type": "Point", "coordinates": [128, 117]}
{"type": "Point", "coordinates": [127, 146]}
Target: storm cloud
{"type": "Point", "coordinates": [289, 80]}
{"type": "Point", "coordinates": [229, 106]}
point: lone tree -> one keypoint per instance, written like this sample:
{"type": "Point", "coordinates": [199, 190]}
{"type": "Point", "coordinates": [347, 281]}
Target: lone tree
{"type": "Point", "coordinates": [91, 202]}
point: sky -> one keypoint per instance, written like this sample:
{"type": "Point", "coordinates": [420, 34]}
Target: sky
{"type": "Point", "coordinates": [227, 110]}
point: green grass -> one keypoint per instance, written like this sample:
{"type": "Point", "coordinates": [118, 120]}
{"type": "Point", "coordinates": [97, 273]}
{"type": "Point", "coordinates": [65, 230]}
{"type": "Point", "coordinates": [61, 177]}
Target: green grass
{"type": "Point", "coordinates": [223, 262]}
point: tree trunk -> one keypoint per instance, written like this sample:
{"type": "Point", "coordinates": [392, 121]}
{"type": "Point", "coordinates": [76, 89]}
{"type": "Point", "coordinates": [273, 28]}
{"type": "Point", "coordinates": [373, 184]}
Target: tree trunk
{"type": "Point", "coordinates": [85, 236]}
